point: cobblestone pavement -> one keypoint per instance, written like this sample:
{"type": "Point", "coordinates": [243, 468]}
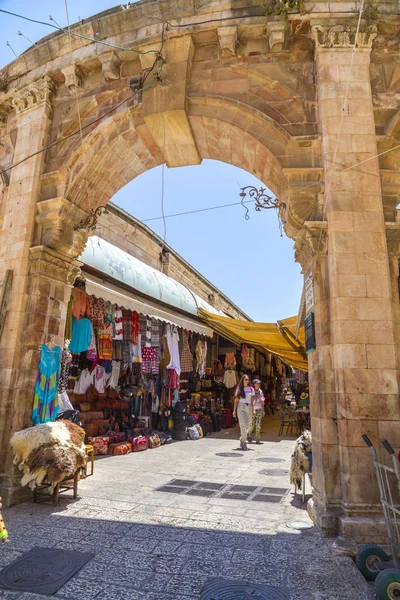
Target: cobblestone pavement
{"type": "Point", "coordinates": [152, 545]}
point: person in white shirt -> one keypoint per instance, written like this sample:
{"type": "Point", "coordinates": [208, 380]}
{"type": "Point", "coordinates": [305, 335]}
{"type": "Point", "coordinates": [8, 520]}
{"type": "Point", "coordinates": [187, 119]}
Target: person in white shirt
{"type": "Point", "coordinates": [259, 401]}
{"type": "Point", "coordinates": [244, 408]}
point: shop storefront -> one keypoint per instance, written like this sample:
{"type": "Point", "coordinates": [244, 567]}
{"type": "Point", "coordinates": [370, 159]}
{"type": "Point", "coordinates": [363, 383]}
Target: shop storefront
{"type": "Point", "coordinates": [139, 361]}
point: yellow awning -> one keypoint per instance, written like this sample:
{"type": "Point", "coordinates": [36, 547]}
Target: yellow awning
{"type": "Point", "coordinates": [277, 338]}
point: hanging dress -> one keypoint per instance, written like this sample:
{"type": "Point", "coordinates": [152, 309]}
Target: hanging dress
{"type": "Point", "coordinates": [45, 403]}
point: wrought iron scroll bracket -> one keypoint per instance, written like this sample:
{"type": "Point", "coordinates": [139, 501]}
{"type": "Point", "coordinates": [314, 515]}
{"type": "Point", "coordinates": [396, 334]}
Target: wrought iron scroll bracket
{"type": "Point", "coordinates": [90, 222]}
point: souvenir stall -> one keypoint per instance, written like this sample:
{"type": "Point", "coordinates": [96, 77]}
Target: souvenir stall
{"type": "Point", "coordinates": [127, 370]}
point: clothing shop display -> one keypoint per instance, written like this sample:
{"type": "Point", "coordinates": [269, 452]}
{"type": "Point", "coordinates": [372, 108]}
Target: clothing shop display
{"type": "Point", "coordinates": [97, 311]}
{"type": "Point", "coordinates": [45, 403]}
{"type": "Point", "coordinates": [150, 360]}
{"type": "Point", "coordinates": [81, 306]}
{"type": "Point", "coordinates": [81, 335]}
{"type": "Point", "coordinates": [65, 369]}
{"type": "Point", "coordinates": [84, 382]}
{"type": "Point", "coordinates": [105, 342]}
{"type": "Point", "coordinates": [118, 324]}
{"type": "Point", "coordinates": [186, 355]}
{"type": "Point", "coordinates": [64, 402]}
{"type": "Point", "coordinates": [172, 335]}
{"type": "Point", "coordinates": [230, 378]}
{"type": "Point", "coordinates": [230, 360]}
{"type": "Point", "coordinates": [99, 379]}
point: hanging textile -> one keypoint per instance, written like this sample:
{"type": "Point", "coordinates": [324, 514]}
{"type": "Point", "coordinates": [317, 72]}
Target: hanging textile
{"type": "Point", "coordinates": [80, 306]}
{"type": "Point", "coordinates": [65, 370]}
{"type": "Point", "coordinates": [97, 311]}
{"type": "Point", "coordinates": [186, 356]}
{"type": "Point", "coordinates": [118, 324]}
{"type": "Point", "coordinates": [172, 335]}
{"type": "Point", "coordinates": [45, 403]}
{"type": "Point", "coordinates": [81, 335]}
{"type": "Point", "coordinates": [105, 343]}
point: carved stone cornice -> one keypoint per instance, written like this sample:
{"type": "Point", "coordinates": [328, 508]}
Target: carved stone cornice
{"type": "Point", "coordinates": [228, 40]}
{"type": "Point", "coordinates": [33, 95]}
{"type": "Point", "coordinates": [110, 64]}
{"type": "Point", "coordinates": [74, 77]}
{"type": "Point", "coordinates": [342, 36]}
{"type": "Point", "coordinates": [277, 34]}
{"type": "Point", "coordinates": [45, 262]}
{"type": "Point", "coordinates": [55, 220]}
{"type": "Point", "coordinates": [393, 238]}
{"type": "Point", "coordinates": [30, 96]}
{"type": "Point", "coordinates": [311, 241]}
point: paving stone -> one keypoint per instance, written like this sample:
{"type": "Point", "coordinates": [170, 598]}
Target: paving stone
{"type": "Point", "coordinates": [84, 590]}
{"type": "Point", "coordinates": [150, 545]}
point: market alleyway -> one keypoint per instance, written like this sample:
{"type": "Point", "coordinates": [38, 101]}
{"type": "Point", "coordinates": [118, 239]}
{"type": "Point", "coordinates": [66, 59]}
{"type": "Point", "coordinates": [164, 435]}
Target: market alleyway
{"type": "Point", "coordinates": [151, 544]}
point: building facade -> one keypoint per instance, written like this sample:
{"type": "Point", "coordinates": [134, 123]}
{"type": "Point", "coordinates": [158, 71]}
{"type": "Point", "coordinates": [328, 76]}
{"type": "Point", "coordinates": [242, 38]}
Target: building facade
{"type": "Point", "coordinates": [306, 102]}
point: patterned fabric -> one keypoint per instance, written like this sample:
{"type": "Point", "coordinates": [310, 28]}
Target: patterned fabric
{"type": "Point", "coordinates": [106, 343]}
{"type": "Point", "coordinates": [135, 327]}
{"type": "Point", "coordinates": [148, 333]}
{"type": "Point", "coordinates": [127, 325]}
{"type": "Point", "coordinates": [100, 445]}
{"type": "Point", "coordinates": [65, 370]}
{"type": "Point", "coordinates": [118, 324]}
{"type": "Point", "coordinates": [186, 356]}
{"type": "Point", "coordinates": [155, 333]}
{"type": "Point", "coordinates": [126, 352]}
{"type": "Point", "coordinates": [97, 311]}
{"type": "Point", "coordinates": [150, 360]}
{"type": "Point", "coordinates": [91, 353]}
{"type": "Point", "coordinates": [142, 329]}
{"type": "Point", "coordinates": [245, 416]}
{"type": "Point", "coordinates": [256, 425]}
{"type": "Point", "coordinates": [117, 350]}
{"type": "Point", "coordinates": [45, 403]}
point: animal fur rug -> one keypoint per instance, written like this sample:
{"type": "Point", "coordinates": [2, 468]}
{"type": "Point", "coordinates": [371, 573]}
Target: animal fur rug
{"type": "Point", "coordinates": [49, 452]}
{"type": "Point", "coordinates": [300, 462]}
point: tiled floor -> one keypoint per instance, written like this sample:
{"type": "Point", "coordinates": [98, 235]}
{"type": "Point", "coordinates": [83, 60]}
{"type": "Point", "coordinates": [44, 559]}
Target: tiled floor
{"type": "Point", "coordinates": [150, 545]}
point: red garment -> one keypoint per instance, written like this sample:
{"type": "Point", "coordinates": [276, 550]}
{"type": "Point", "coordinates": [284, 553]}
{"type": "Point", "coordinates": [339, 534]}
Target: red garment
{"type": "Point", "coordinates": [81, 307]}
{"type": "Point", "coordinates": [135, 327]}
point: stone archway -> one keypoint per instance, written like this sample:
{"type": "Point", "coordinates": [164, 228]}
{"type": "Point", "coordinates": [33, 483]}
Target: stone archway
{"type": "Point", "coordinates": [265, 95]}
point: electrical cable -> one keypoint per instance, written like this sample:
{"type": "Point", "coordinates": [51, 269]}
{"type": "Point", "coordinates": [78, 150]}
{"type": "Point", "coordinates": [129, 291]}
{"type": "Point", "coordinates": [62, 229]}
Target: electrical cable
{"type": "Point", "coordinates": [78, 108]}
{"type": "Point", "coordinates": [139, 89]}
{"type": "Point", "coordinates": [78, 35]}
{"type": "Point", "coordinates": [199, 210]}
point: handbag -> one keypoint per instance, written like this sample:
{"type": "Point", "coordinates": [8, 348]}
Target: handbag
{"type": "Point", "coordinates": [154, 440]}
{"type": "Point", "coordinates": [140, 443]}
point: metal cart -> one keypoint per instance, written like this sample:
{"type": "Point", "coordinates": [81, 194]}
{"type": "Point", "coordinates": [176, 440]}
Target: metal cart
{"type": "Point", "coordinates": [372, 560]}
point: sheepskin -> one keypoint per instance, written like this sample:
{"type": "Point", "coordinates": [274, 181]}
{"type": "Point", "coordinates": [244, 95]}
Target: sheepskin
{"type": "Point", "coordinates": [300, 462]}
{"type": "Point", "coordinates": [49, 452]}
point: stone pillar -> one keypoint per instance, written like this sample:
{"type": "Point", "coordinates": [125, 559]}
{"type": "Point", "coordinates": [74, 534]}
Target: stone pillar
{"type": "Point", "coordinates": [40, 276]}
{"type": "Point", "coordinates": [311, 252]}
{"type": "Point", "coordinates": [361, 313]}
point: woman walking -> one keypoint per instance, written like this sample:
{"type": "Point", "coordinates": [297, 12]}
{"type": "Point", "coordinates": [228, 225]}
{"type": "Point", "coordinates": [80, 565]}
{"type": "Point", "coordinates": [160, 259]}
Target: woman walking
{"type": "Point", "coordinates": [259, 401]}
{"type": "Point", "coordinates": [244, 408]}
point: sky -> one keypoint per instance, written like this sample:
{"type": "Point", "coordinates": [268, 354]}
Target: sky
{"type": "Point", "coordinates": [247, 260]}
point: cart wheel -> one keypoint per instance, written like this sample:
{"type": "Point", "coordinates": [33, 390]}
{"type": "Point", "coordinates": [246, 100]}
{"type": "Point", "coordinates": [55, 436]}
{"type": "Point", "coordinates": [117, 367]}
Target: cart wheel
{"type": "Point", "coordinates": [387, 585]}
{"type": "Point", "coordinates": [368, 559]}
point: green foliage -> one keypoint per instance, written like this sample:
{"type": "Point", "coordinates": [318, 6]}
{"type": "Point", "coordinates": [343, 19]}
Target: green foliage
{"type": "Point", "coordinates": [283, 8]}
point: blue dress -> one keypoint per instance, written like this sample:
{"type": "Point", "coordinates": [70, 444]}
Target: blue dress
{"type": "Point", "coordinates": [45, 403]}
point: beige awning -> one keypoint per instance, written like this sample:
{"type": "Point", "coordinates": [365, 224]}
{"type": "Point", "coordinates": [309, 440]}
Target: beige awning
{"type": "Point", "coordinates": [110, 292]}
